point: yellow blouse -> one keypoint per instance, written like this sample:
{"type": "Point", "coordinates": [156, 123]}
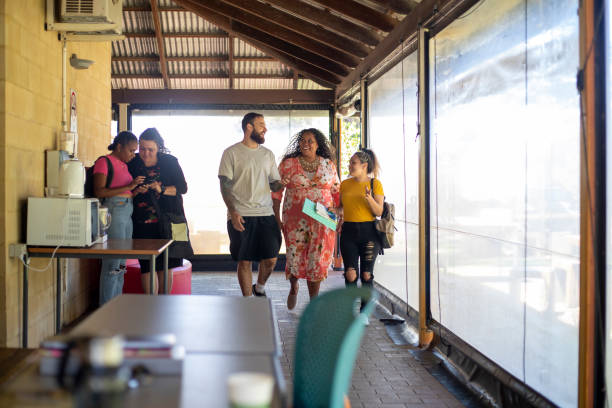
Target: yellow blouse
{"type": "Point", "coordinates": [352, 193]}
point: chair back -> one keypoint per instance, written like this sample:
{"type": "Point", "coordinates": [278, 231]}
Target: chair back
{"type": "Point", "coordinates": [327, 342]}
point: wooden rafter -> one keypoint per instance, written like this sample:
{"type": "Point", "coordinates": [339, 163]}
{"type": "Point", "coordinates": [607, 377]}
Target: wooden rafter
{"type": "Point", "coordinates": [398, 6]}
{"type": "Point", "coordinates": [192, 59]}
{"type": "Point", "coordinates": [176, 35]}
{"type": "Point", "coordinates": [219, 96]}
{"type": "Point", "coordinates": [304, 55]}
{"type": "Point", "coordinates": [282, 51]}
{"type": "Point", "coordinates": [160, 42]}
{"type": "Point", "coordinates": [361, 13]}
{"type": "Point", "coordinates": [279, 32]}
{"type": "Point", "coordinates": [406, 29]}
{"type": "Point", "coordinates": [300, 26]}
{"type": "Point", "coordinates": [230, 60]}
{"type": "Point", "coordinates": [329, 21]}
{"type": "Point", "coordinates": [202, 76]}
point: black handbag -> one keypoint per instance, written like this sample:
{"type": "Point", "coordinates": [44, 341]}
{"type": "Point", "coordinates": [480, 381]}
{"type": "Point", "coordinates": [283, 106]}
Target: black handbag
{"type": "Point", "coordinates": [174, 226]}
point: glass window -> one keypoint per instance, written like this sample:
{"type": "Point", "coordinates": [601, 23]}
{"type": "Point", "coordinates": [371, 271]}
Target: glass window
{"type": "Point", "coordinates": [505, 188]}
{"type": "Point", "coordinates": [393, 129]}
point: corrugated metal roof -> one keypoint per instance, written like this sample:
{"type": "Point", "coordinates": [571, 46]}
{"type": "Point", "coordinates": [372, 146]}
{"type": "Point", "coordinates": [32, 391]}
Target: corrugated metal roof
{"type": "Point", "coordinates": [197, 68]}
{"type": "Point", "coordinates": [186, 22]}
{"type": "Point", "coordinates": [137, 83]}
{"type": "Point", "coordinates": [195, 47]}
{"type": "Point", "coordinates": [273, 68]}
{"type": "Point", "coordinates": [134, 47]}
{"type": "Point", "coordinates": [242, 49]}
{"type": "Point", "coordinates": [264, 83]}
{"type": "Point", "coordinates": [135, 68]}
{"type": "Point", "coordinates": [137, 22]}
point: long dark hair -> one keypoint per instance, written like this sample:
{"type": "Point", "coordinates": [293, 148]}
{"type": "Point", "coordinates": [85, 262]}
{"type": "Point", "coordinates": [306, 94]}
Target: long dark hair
{"type": "Point", "coordinates": [324, 150]}
{"type": "Point", "coordinates": [123, 138]}
{"type": "Point", "coordinates": [368, 156]}
{"type": "Point", "coordinates": [153, 135]}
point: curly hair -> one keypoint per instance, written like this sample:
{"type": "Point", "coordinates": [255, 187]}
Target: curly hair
{"type": "Point", "coordinates": [324, 150]}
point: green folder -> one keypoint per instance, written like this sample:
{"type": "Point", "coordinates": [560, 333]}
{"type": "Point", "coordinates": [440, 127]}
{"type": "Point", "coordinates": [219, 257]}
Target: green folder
{"type": "Point", "coordinates": [309, 209]}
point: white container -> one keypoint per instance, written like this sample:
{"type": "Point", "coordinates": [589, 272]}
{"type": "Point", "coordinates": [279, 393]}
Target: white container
{"type": "Point", "coordinates": [250, 389]}
{"type": "Point", "coordinates": [71, 179]}
{"type": "Point", "coordinates": [55, 158]}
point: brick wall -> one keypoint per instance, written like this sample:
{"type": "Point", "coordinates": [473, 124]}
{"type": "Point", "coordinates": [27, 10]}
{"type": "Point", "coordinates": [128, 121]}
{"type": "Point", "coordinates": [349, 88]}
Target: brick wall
{"type": "Point", "coordinates": [30, 118]}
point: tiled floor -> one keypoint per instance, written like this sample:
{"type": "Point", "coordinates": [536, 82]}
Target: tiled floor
{"type": "Point", "coordinates": [386, 375]}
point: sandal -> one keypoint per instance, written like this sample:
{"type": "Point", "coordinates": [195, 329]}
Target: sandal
{"type": "Point", "coordinates": [291, 300]}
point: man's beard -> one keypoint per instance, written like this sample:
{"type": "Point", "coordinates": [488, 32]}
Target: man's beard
{"type": "Point", "coordinates": [257, 137]}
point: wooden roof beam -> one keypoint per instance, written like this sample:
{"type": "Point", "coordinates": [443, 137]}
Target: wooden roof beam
{"type": "Point", "coordinates": [284, 52]}
{"type": "Point", "coordinates": [426, 11]}
{"type": "Point", "coordinates": [278, 31]}
{"type": "Point", "coordinates": [190, 59]}
{"type": "Point", "coordinates": [177, 35]}
{"type": "Point", "coordinates": [329, 21]}
{"type": "Point", "coordinates": [301, 26]}
{"type": "Point", "coordinates": [361, 13]}
{"type": "Point", "coordinates": [160, 42]}
{"type": "Point", "coordinates": [222, 96]}
{"type": "Point", "coordinates": [201, 76]}
{"type": "Point", "coordinates": [404, 7]}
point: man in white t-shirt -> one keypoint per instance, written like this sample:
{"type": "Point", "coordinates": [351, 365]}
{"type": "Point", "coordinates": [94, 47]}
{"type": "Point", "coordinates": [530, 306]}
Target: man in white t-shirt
{"type": "Point", "coordinates": [248, 173]}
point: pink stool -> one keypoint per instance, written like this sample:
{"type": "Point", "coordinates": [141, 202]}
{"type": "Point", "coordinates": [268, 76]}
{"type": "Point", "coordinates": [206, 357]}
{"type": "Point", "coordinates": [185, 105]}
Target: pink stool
{"type": "Point", "coordinates": [181, 274]}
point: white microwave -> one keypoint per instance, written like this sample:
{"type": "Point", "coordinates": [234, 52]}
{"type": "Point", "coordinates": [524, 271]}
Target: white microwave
{"type": "Point", "coordinates": [72, 222]}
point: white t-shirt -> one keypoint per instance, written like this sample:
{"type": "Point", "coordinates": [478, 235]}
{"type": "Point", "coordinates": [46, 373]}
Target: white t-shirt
{"type": "Point", "coordinates": [251, 171]}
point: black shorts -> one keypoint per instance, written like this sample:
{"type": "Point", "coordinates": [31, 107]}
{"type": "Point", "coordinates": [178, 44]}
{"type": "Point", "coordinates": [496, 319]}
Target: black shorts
{"type": "Point", "coordinates": [151, 231]}
{"type": "Point", "coordinates": [261, 239]}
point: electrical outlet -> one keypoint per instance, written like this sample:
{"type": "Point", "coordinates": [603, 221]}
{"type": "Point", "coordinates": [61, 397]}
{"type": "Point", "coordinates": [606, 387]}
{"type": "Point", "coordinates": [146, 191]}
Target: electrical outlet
{"type": "Point", "coordinates": [17, 250]}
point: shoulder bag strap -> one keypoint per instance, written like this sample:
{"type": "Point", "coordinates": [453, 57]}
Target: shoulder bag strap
{"type": "Point", "coordinates": [111, 171]}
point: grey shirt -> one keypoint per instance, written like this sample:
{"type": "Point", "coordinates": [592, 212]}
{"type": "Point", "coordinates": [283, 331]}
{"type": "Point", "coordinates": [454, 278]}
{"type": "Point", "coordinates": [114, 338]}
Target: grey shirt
{"type": "Point", "coordinates": [251, 171]}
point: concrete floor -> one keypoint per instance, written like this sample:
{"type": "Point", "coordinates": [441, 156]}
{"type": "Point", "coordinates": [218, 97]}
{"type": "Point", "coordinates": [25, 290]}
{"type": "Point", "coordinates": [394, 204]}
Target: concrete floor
{"type": "Point", "coordinates": [386, 375]}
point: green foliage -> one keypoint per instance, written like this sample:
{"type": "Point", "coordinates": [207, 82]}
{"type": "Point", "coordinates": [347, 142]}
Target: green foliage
{"type": "Point", "coordinates": [351, 139]}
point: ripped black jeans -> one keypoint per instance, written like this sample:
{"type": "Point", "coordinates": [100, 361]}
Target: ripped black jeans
{"type": "Point", "coordinates": [359, 244]}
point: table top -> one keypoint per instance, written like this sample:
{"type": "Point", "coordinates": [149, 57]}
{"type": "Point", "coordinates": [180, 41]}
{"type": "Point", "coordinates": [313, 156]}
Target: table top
{"type": "Point", "coordinates": [110, 247]}
{"type": "Point", "coordinates": [204, 324]}
{"type": "Point", "coordinates": [202, 384]}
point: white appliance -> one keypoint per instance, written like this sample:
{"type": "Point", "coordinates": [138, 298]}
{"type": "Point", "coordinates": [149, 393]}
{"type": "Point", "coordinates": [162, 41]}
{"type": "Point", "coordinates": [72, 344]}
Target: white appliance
{"type": "Point", "coordinates": [71, 179]}
{"type": "Point", "coordinates": [54, 221]}
{"type": "Point", "coordinates": [55, 158]}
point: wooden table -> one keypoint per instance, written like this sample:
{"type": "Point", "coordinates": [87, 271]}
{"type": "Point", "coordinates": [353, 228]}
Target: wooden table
{"type": "Point", "coordinates": [221, 335]}
{"type": "Point", "coordinates": [205, 324]}
{"type": "Point", "coordinates": [113, 248]}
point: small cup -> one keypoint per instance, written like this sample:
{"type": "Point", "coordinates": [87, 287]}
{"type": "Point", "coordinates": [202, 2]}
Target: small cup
{"type": "Point", "coordinates": [250, 390]}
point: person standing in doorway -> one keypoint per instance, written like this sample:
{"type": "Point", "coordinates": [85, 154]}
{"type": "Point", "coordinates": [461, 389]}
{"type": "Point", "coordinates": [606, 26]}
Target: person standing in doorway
{"type": "Point", "coordinates": [247, 175]}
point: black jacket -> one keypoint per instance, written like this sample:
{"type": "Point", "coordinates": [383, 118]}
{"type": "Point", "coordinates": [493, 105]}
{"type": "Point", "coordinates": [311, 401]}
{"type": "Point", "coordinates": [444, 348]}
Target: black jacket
{"type": "Point", "coordinates": [170, 174]}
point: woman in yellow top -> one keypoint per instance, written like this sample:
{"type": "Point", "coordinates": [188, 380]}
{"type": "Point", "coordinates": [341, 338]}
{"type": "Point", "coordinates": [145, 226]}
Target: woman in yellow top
{"type": "Point", "coordinates": [359, 242]}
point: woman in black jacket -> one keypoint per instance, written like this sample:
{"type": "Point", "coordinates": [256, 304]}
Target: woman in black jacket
{"type": "Point", "coordinates": [158, 198]}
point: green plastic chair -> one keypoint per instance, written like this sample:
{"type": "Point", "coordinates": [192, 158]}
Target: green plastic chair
{"type": "Point", "coordinates": [328, 339]}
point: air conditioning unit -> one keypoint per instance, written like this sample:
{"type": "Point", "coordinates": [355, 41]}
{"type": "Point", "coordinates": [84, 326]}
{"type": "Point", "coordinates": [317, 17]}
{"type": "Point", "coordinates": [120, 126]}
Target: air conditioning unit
{"type": "Point", "coordinates": [85, 16]}
{"type": "Point", "coordinates": [79, 11]}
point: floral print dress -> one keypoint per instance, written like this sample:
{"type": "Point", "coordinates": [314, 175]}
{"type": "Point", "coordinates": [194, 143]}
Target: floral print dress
{"type": "Point", "coordinates": [310, 244]}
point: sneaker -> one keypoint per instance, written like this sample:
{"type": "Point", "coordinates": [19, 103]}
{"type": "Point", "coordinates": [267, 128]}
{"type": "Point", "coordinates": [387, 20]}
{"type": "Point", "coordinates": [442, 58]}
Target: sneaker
{"type": "Point", "coordinates": [256, 293]}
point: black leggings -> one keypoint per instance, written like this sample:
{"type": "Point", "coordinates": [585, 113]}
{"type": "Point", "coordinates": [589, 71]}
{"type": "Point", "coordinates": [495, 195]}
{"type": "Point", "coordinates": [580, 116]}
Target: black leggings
{"type": "Point", "coordinates": [359, 245]}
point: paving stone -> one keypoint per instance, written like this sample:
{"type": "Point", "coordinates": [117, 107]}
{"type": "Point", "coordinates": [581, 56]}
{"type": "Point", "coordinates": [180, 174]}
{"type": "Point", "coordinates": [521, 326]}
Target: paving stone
{"type": "Point", "coordinates": [385, 375]}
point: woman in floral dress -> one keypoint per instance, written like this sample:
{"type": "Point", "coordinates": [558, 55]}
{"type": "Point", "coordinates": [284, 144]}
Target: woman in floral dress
{"type": "Point", "coordinates": [310, 172]}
